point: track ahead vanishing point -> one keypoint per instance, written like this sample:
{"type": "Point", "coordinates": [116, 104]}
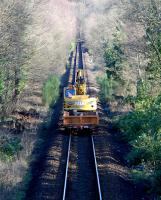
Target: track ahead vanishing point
{"type": "Point", "coordinates": [81, 174]}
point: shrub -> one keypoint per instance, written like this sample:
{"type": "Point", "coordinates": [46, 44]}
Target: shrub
{"type": "Point", "coordinates": [10, 148]}
{"type": "Point", "coordinates": [113, 54]}
{"type": "Point", "coordinates": [108, 86]}
{"type": "Point", "coordinates": [51, 90]}
{"type": "Point", "coordinates": [142, 128]}
{"type": "Point", "coordinates": [72, 46]}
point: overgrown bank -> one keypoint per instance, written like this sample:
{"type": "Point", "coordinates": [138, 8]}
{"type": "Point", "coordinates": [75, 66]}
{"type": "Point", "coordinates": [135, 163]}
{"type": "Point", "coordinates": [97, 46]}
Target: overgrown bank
{"type": "Point", "coordinates": [31, 50]}
{"type": "Point", "coordinates": [140, 124]}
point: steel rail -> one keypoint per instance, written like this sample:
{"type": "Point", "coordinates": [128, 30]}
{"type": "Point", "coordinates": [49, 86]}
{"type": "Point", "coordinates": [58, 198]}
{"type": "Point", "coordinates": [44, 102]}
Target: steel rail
{"type": "Point", "coordinates": [66, 171]}
{"type": "Point", "coordinates": [96, 167]}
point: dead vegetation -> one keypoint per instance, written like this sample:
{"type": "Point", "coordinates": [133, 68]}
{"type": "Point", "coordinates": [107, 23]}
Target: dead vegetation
{"type": "Point", "coordinates": [35, 39]}
{"type": "Point", "coordinates": [35, 43]}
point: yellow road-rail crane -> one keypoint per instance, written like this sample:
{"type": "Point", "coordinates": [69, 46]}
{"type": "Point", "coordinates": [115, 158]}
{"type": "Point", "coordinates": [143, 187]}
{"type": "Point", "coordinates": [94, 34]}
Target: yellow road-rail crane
{"type": "Point", "coordinates": [80, 110]}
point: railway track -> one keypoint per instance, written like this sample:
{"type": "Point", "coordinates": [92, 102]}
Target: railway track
{"type": "Point", "coordinates": [67, 168]}
{"type": "Point", "coordinates": [81, 178]}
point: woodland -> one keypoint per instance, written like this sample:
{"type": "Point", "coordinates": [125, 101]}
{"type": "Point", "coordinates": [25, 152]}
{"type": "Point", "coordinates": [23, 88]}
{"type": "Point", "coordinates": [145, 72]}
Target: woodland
{"type": "Point", "coordinates": [124, 41]}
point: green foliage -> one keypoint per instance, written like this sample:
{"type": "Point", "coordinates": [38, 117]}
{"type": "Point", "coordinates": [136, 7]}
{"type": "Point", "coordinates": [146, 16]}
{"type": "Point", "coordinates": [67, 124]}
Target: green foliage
{"type": "Point", "coordinates": [153, 37]}
{"type": "Point", "coordinates": [142, 128]}
{"type": "Point", "coordinates": [115, 64]}
{"type": "Point", "coordinates": [72, 46]}
{"type": "Point", "coordinates": [13, 57]}
{"type": "Point", "coordinates": [107, 86]}
{"type": "Point", "coordinates": [10, 148]}
{"type": "Point", "coordinates": [21, 85]}
{"type": "Point", "coordinates": [51, 90]}
{"type": "Point", "coordinates": [113, 54]}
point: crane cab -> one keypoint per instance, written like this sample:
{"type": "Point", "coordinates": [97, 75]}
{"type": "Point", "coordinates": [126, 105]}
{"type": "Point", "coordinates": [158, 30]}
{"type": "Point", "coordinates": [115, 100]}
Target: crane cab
{"type": "Point", "coordinates": [80, 83]}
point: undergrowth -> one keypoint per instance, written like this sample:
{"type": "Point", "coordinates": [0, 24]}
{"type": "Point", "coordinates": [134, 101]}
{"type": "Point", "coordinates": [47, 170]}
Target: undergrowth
{"type": "Point", "coordinates": [142, 129]}
{"type": "Point", "coordinates": [9, 148]}
{"type": "Point", "coordinates": [51, 90]}
{"type": "Point", "coordinates": [108, 87]}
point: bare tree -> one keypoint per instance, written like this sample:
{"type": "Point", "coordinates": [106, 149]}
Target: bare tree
{"type": "Point", "coordinates": [12, 23]}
